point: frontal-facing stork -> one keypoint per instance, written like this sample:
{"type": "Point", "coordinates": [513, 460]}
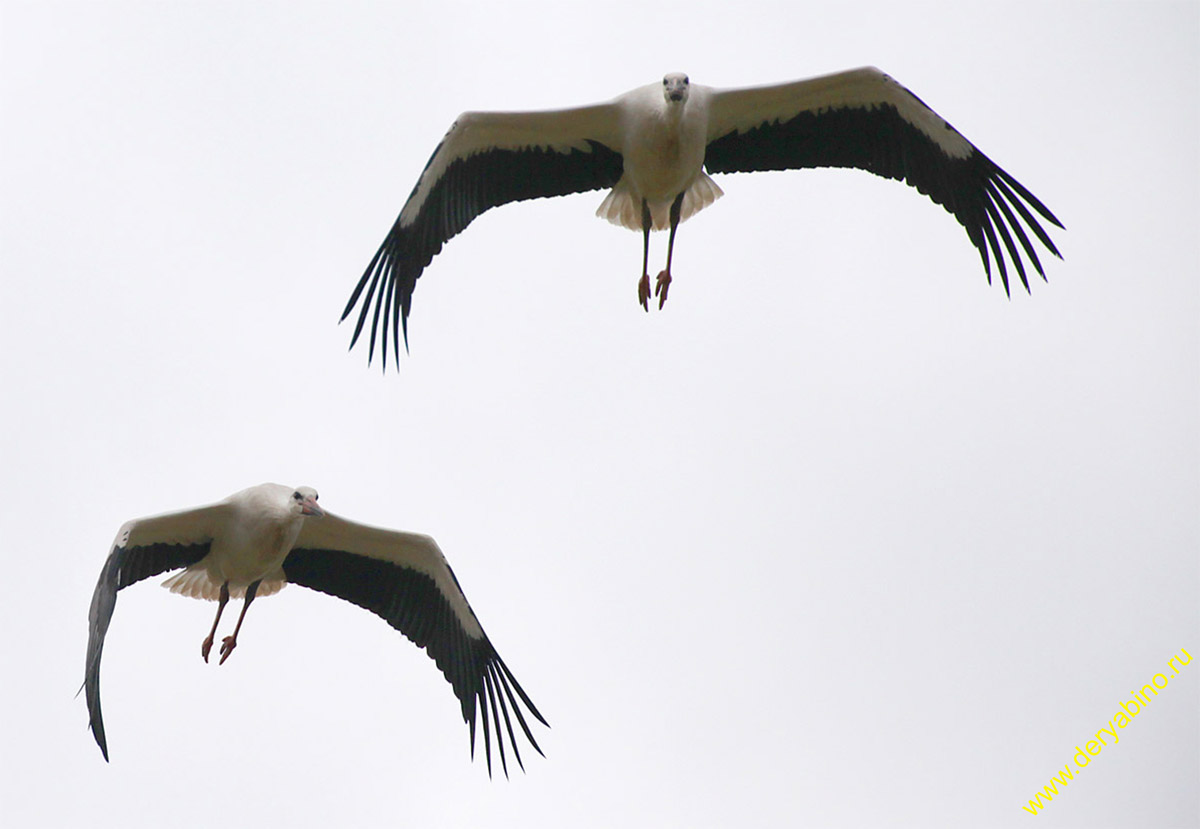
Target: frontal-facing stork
{"type": "Point", "coordinates": [653, 146]}
{"type": "Point", "coordinates": [257, 540]}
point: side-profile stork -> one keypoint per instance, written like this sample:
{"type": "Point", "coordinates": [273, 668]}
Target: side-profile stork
{"type": "Point", "coordinates": [257, 540]}
{"type": "Point", "coordinates": [653, 145]}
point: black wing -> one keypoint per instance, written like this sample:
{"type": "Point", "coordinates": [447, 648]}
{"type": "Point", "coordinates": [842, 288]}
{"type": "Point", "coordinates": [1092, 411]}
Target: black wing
{"type": "Point", "coordinates": [879, 126]}
{"type": "Point", "coordinates": [486, 160]}
{"type": "Point", "coordinates": [125, 566]}
{"type": "Point", "coordinates": [411, 602]}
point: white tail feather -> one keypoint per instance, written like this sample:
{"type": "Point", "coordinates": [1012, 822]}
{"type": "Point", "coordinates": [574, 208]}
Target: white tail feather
{"type": "Point", "coordinates": [196, 584]}
{"type": "Point", "coordinates": [618, 207]}
{"type": "Point", "coordinates": [622, 208]}
{"type": "Point", "coordinates": [703, 192]}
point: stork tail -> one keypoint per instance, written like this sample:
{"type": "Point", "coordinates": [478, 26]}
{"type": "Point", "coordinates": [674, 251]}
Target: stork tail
{"type": "Point", "coordinates": [623, 208]}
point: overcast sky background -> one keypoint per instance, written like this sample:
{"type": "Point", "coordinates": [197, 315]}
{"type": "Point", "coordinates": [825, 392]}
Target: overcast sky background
{"type": "Point", "coordinates": [841, 537]}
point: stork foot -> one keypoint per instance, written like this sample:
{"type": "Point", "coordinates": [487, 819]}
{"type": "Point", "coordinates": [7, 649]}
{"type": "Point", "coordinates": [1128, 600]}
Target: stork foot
{"type": "Point", "coordinates": [205, 647]}
{"type": "Point", "coordinates": [227, 646]}
{"type": "Point", "coordinates": [661, 285]}
{"type": "Point", "coordinates": [644, 292]}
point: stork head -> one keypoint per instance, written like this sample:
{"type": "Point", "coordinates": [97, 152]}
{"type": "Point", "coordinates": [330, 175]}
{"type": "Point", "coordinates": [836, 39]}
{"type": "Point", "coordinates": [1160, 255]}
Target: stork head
{"type": "Point", "coordinates": [675, 87]}
{"type": "Point", "coordinates": [304, 502]}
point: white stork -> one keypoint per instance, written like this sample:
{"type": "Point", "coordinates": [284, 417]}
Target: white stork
{"type": "Point", "coordinates": [652, 146]}
{"type": "Point", "coordinates": [257, 540]}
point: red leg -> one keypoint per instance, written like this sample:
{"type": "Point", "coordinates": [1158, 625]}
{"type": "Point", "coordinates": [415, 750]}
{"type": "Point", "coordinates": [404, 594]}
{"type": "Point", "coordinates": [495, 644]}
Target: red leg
{"type": "Point", "coordinates": [663, 282]}
{"type": "Point", "coordinates": [230, 642]}
{"type": "Point", "coordinates": [206, 645]}
{"type": "Point", "coordinates": [644, 282]}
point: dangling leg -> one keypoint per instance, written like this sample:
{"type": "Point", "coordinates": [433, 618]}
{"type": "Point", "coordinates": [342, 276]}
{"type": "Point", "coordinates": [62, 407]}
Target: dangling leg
{"type": "Point", "coordinates": [206, 645]}
{"type": "Point", "coordinates": [230, 642]}
{"type": "Point", "coordinates": [644, 282]}
{"type": "Point", "coordinates": [664, 277]}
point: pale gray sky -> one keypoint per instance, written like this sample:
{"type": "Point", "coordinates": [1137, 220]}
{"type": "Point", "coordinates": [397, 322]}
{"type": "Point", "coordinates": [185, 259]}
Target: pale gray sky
{"type": "Point", "coordinates": [842, 537]}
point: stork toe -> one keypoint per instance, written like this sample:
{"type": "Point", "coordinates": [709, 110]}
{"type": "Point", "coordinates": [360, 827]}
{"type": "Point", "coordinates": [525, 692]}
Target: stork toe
{"type": "Point", "coordinates": [227, 646]}
{"type": "Point", "coordinates": [661, 286]}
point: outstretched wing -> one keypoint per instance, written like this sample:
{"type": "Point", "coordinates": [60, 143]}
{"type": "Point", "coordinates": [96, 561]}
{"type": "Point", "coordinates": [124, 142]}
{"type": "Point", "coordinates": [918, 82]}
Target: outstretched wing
{"type": "Point", "coordinates": [486, 159]}
{"type": "Point", "coordinates": [404, 578]}
{"type": "Point", "coordinates": [143, 548]}
{"type": "Point", "coordinates": [865, 119]}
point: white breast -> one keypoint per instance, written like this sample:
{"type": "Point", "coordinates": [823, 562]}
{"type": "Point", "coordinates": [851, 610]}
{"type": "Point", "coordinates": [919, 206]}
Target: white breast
{"type": "Point", "coordinates": [663, 145]}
